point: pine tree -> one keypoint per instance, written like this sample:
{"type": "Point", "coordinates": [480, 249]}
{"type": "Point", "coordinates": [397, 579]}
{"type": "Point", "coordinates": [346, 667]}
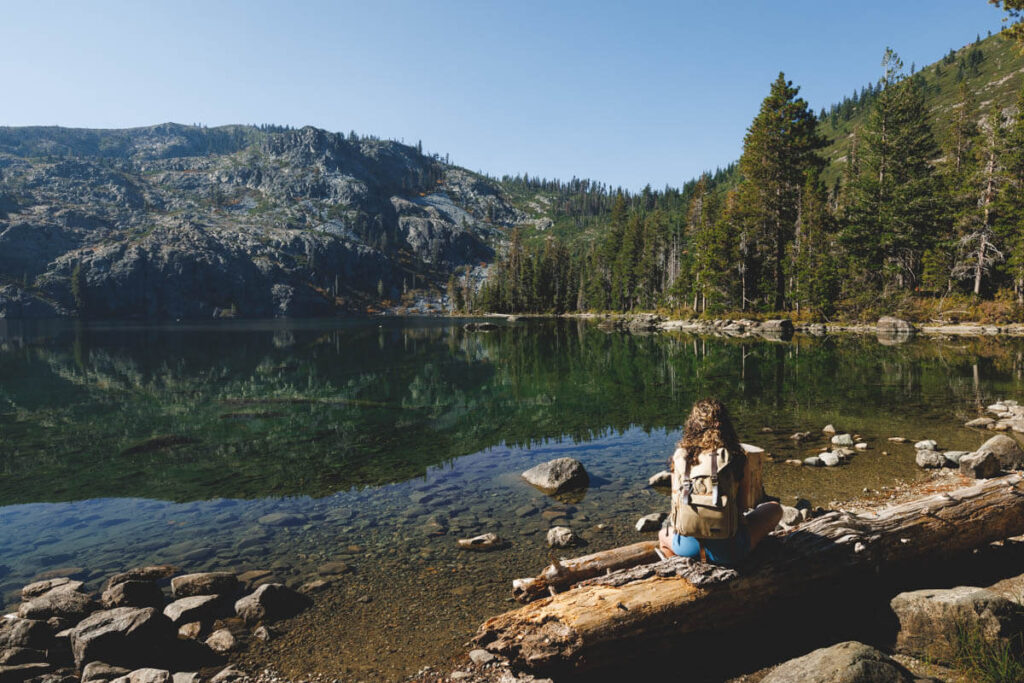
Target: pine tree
{"type": "Point", "coordinates": [893, 208]}
{"type": "Point", "coordinates": [779, 148]}
{"type": "Point", "coordinates": [816, 278]}
{"type": "Point", "coordinates": [1009, 222]}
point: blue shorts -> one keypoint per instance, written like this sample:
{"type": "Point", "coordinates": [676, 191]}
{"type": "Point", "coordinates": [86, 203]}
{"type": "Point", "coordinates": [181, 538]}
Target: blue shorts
{"type": "Point", "coordinates": [724, 551]}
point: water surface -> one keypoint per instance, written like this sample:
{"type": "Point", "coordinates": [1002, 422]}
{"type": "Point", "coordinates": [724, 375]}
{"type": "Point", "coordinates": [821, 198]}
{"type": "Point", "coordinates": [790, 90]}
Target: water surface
{"type": "Point", "coordinates": [358, 452]}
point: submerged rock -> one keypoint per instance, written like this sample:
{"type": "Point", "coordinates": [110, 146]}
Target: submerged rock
{"type": "Point", "coordinates": [560, 474]}
{"type": "Point", "coordinates": [488, 541]}
{"type": "Point", "coordinates": [561, 537]}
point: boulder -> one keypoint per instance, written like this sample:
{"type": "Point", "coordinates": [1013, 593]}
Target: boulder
{"type": "Point", "coordinates": [894, 327]}
{"type": "Point", "coordinates": [34, 590]}
{"type": "Point", "coordinates": [791, 515]}
{"type": "Point", "coordinates": [223, 641]}
{"type": "Point", "coordinates": [561, 537]}
{"type": "Point", "coordinates": [849, 662]}
{"type": "Point", "coordinates": [206, 583]}
{"type": "Point", "coordinates": [30, 633]}
{"type": "Point", "coordinates": [149, 675]}
{"type": "Point", "coordinates": [980, 465]}
{"type": "Point", "coordinates": [844, 440]}
{"type": "Point", "coordinates": [953, 457]}
{"type": "Point", "coordinates": [193, 608]}
{"type": "Point", "coordinates": [101, 671]}
{"type": "Point", "coordinates": [1006, 448]}
{"type": "Point", "coordinates": [270, 602]}
{"type": "Point", "coordinates": [651, 522]}
{"type": "Point", "coordinates": [930, 459]}
{"type": "Point", "coordinates": [123, 636]}
{"type": "Point", "coordinates": [931, 621]}
{"type": "Point", "coordinates": [560, 474]}
{"type": "Point", "coordinates": [133, 593]}
{"type": "Point", "coordinates": [151, 573]}
{"type": "Point", "coordinates": [979, 422]}
{"type": "Point", "coordinates": [663, 478]}
{"type": "Point", "coordinates": [65, 602]}
{"type": "Point", "coordinates": [926, 445]}
{"type": "Point", "coordinates": [18, 673]}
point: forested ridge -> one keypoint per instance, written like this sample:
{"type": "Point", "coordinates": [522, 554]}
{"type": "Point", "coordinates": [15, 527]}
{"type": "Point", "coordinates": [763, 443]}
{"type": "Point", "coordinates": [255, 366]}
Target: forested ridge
{"type": "Point", "coordinates": [907, 196]}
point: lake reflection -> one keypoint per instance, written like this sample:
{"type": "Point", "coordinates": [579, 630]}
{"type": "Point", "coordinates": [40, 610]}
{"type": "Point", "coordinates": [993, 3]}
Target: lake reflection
{"type": "Point", "coordinates": [287, 445]}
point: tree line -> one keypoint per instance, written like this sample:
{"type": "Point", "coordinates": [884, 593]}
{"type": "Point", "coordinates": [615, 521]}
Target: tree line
{"type": "Point", "coordinates": [905, 217]}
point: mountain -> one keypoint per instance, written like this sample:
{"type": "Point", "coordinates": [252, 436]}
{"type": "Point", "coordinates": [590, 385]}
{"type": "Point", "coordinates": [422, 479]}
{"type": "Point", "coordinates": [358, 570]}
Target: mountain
{"type": "Point", "coordinates": [175, 221]}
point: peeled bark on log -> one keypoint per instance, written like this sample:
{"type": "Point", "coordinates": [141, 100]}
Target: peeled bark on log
{"type": "Point", "coordinates": [563, 574]}
{"type": "Point", "coordinates": [593, 623]}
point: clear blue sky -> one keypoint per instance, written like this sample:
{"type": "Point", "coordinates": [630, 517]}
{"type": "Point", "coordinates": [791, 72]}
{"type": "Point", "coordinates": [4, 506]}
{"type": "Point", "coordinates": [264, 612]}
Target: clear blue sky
{"type": "Point", "coordinates": [623, 92]}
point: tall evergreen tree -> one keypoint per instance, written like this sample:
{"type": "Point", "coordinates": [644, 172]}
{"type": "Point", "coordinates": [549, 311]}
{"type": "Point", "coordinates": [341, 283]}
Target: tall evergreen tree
{"type": "Point", "coordinates": [893, 209]}
{"type": "Point", "coordinates": [779, 148]}
{"type": "Point", "coordinates": [1009, 223]}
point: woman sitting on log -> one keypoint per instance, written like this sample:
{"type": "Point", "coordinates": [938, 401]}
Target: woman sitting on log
{"type": "Point", "coordinates": [709, 470]}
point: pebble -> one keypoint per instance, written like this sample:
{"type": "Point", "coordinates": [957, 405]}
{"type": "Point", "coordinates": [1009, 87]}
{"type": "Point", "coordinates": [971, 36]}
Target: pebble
{"type": "Point", "coordinates": [899, 439]}
{"type": "Point", "coordinates": [861, 446]}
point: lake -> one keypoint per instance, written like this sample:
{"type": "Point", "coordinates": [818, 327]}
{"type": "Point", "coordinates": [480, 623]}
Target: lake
{"type": "Point", "coordinates": [357, 452]}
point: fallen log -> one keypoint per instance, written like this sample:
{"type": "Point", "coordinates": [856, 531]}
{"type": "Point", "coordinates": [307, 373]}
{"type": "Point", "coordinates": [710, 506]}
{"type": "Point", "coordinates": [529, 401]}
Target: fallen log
{"type": "Point", "coordinates": [605, 618]}
{"type": "Point", "coordinates": [560, 575]}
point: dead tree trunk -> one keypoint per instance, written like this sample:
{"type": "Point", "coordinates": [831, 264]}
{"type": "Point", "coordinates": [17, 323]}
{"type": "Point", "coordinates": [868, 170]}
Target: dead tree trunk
{"type": "Point", "coordinates": [561, 575]}
{"type": "Point", "coordinates": [605, 617]}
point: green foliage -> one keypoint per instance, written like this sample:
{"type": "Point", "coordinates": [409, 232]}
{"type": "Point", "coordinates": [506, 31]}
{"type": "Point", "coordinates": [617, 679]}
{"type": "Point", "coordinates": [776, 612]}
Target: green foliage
{"type": "Point", "coordinates": [78, 288]}
{"type": "Point", "coordinates": [984, 660]}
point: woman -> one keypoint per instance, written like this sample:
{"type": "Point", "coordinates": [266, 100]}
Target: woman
{"type": "Point", "coordinates": [708, 429]}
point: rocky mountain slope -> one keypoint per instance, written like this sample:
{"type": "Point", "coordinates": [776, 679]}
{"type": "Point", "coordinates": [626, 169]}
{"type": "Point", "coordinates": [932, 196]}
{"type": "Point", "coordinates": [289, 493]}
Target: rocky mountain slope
{"type": "Point", "coordinates": [175, 221]}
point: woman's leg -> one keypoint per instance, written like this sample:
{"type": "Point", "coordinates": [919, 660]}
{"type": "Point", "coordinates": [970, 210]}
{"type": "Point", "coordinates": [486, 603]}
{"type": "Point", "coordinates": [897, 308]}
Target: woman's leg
{"type": "Point", "coordinates": [762, 521]}
{"type": "Point", "coordinates": [665, 541]}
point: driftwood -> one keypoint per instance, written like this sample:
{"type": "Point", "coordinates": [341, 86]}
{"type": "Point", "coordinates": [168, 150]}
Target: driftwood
{"type": "Point", "coordinates": [609, 616]}
{"type": "Point", "coordinates": [562, 574]}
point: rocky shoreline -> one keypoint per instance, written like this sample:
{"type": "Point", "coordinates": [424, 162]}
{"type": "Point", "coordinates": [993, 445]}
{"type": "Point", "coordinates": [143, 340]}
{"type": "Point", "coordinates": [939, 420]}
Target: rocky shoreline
{"type": "Point", "coordinates": [135, 633]}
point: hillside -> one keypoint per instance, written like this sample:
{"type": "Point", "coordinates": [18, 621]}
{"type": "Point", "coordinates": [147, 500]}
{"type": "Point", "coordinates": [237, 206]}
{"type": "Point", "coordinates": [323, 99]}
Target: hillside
{"type": "Point", "coordinates": [992, 69]}
{"type": "Point", "coordinates": [174, 221]}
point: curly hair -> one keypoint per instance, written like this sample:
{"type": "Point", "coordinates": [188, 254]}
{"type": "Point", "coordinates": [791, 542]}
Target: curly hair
{"type": "Point", "coordinates": [708, 427]}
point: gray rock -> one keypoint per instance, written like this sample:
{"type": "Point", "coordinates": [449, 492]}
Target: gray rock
{"type": "Point", "coordinates": [651, 522]}
{"type": "Point", "coordinates": [930, 459]}
{"type": "Point", "coordinates": [150, 573]}
{"type": "Point", "coordinates": [223, 641]}
{"type": "Point", "coordinates": [813, 461]}
{"type": "Point", "coordinates": [186, 677]}
{"type": "Point", "coordinates": [63, 601]}
{"type": "Point", "coordinates": [829, 459]}
{"type": "Point", "coordinates": [926, 445]}
{"type": "Point", "coordinates": [206, 583]}
{"type": "Point", "coordinates": [270, 602]}
{"type": "Point", "coordinates": [890, 326]}
{"type": "Point", "coordinates": [18, 673]}
{"type": "Point", "coordinates": [1006, 448]}
{"type": "Point", "coordinates": [193, 608]}
{"type": "Point", "coordinates": [953, 457]}
{"type": "Point", "coordinates": [561, 537]}
{"type": "Point", "coordinates": [844, 440]}
{"type": "Point", "coordinates": [21, 655]}
{"type": "Point", "coordinates": [828, 429]}
{"type": "Point", "coordinates": [101, 671]}
{"type": "Point", "coordinates": [123, 636]}
{"type": "Point", "coordinates": [930, 620]}
{"type": "Point", "coordinates": [149, 675]}
{"type": "Point", "coordinates": [230, 674]}
{"type": "Point", "coordinates": [791, 515]}
{"type": "Point", "coordinates": [979, 422]}
{"type": "Point", "coordinates": [560, 474]}
{"type": "Point", "coordinates": [282, 519]}
{"type": "Point", "coordinates": [28, 633]}
{"type": "Point", "coordinates": [483, 542]}
{"type": "Point", "coordinates": [481, 657]}
{"type": "Point", "coordinates": [980, 465]}
{"type": "Point", "coordinates": [663, 478]}
{"type": "Point", "coordinates": [34, 590]}
{"type": "Point", "coordinates": [849, 662]}
{"type": "Point", "coordinates": [133, 593]}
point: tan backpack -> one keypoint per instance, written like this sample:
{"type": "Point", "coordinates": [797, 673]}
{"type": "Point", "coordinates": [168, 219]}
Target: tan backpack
{"type": "Point", "coordinates": [704, 494]}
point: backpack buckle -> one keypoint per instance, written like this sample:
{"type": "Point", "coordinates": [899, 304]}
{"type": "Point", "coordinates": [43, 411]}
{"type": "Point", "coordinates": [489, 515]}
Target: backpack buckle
{"type": "Point", "coordinates": [687, 490]}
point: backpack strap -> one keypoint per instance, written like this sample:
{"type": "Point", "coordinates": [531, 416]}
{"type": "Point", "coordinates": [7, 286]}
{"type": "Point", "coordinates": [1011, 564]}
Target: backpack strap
{"type": "Point", "coordinates": [687, 482]}
{"type": "Point", "coordinates": [714, 478]}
